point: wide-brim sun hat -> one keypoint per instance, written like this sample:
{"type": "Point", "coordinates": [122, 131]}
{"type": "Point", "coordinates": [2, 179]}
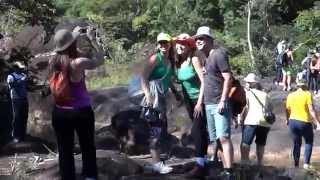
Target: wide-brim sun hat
{"type": "Point", "coordinates": [204, 31]}
{"type": "Point", "coordinates": [252, 78]}
{"type": "Point", "coordinates": [185, 39]}
{"type": "Point", "coordinates": [19, 64]}
{"type": "Point", "coordinates": [63, 39]}
{"type": "Point", "coordinates": [163, 37]}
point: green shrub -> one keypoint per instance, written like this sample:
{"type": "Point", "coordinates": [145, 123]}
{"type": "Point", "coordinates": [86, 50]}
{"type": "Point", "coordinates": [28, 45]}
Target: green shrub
{"type": "Point", "coordinates": [117, 75]}
{"type": "Point", "coordinates": [240, 64]}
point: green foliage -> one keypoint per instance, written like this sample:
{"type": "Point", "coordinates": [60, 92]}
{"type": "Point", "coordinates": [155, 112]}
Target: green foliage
{"type": "Point", "coordinates": [239, 64]}
{"type": "Point", "coordinates": [265, 62]}
{"type": "Point", "coordinates": [117, 75]}
{"type": "Point", "coordinates": [125, 26]}
{"type": "Point", "coordinates": [15, 14]}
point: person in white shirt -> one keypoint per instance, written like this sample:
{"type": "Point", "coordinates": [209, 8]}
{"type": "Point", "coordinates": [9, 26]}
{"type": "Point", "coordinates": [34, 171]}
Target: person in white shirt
{"type": "Point", "coordinates": [281, 46]}
{"type": "Point", "coordinates": [253, 121]}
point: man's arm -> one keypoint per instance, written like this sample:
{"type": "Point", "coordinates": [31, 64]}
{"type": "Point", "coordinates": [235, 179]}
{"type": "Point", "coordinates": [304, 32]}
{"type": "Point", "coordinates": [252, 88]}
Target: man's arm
{"type": "Point", "coordinates": [223, 64]}
{"type": "Point", "coordinates": [11, 81]}
{"type": "Point", "coordinates": [226, 85]}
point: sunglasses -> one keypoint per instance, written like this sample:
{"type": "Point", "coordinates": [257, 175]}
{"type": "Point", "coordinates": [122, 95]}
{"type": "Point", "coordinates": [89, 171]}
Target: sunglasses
{"type": "Point", "coordinates": [163, 42]}
{"type": "Point", "coordinates": [201, 38]}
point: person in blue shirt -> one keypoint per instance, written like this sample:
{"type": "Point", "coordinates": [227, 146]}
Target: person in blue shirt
{"type": "Point", "coordinates": [17, 82]}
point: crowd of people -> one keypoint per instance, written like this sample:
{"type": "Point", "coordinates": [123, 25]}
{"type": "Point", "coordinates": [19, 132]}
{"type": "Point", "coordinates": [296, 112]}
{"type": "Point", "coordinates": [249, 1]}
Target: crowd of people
{"type": "Point", "coordinates": [201, 68]}
{"type": "Point", "coordinates": [284, 62]}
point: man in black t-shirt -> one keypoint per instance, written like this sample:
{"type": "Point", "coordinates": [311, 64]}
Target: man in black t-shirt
{"type": "Point", "coordinates": [217, 83]}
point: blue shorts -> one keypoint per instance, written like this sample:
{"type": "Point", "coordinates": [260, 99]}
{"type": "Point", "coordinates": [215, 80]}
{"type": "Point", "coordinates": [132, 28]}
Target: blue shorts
{"type": "Point", "coordinates": [219, 125]}
{"type": "Point", "coordinates": [251, 131]}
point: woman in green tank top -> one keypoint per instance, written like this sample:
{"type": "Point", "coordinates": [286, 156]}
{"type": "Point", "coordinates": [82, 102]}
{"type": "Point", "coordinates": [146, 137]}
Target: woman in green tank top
{"type": "Point", "coordinates": [189, 73]}
{"type": "Point", "coordinates": [158, 67]}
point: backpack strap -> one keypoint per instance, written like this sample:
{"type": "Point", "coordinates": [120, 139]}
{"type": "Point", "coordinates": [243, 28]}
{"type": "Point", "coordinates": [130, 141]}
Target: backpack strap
{"type": "Point", "coordinates": [263, 107]}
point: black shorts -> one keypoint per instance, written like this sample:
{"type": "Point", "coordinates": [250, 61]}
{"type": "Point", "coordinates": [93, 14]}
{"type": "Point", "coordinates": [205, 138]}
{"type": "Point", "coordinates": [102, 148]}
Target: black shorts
{"type": "Point", "coordinates": [251, 131]}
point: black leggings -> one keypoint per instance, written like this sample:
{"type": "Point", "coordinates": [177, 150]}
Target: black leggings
{"type": "Point", "coordinates": [314, 81]}
{"type": "Point", "coordinates": [65, 123]}
{"type": "Point", "coordinates": [278, 73]}
{"type": "Point", "coordinates": [199, 131]}
{"type": "Point", "coordinates": [20, 109]}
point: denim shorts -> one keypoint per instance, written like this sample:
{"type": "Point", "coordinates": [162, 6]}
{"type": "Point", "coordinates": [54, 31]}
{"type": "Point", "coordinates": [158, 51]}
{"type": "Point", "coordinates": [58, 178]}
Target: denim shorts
{"type": "Point", "coordinates": [219, 124]}
{"type": "Point", "coordinates": [251, 131]}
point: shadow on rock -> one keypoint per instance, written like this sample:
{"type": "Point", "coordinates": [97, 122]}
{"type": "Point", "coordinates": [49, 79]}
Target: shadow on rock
{"type": "Point", "coordinates": [30, 145]}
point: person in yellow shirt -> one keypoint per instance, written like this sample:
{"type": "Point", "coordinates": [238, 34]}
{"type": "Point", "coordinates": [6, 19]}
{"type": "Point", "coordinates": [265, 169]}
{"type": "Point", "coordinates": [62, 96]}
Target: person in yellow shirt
{"type": "Point", "coordinates": [300, 110]}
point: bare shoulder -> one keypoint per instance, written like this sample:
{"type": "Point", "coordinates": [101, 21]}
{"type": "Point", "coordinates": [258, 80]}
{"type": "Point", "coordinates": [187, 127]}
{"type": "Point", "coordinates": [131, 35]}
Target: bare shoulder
{"type": "Point", "coordinates": [195, 59]}
{"type": "Point", "coordinates": [80, 60]}
{"type": "Point", "coordinates": [81, 63]}
{"type": "Point", "coordinates": [153, 59]}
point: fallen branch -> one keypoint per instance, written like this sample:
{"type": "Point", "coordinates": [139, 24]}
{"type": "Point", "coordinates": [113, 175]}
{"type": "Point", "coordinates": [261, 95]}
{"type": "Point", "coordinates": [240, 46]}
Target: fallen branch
{"type": "Point", "coordinates": [140, 156]}
{"type": "Point", "coordinates": [13, 164]}
{"type": "Point", "coordinates": [49, 150]}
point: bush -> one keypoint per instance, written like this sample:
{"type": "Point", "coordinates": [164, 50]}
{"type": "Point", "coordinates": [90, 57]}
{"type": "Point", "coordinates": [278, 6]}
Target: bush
{"type": "Point", "coordinates": [240, 64]}
{"type": "Point", "coordinates": [265, 65]}
{"type": "Point", "coordinates": [117, 75]}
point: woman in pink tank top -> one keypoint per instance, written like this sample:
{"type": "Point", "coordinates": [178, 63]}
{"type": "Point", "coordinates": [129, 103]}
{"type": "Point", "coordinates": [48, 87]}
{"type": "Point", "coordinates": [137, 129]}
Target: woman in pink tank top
{"type": "Point", "coordinates": [75, 115]}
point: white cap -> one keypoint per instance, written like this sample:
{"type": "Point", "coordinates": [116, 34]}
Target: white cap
{"type": "Point", "coordinates": [204, 31]}
{"type": "Point", "coordinates": [252, 78]}
{"type": "Point", "coordinates": [19, 64]}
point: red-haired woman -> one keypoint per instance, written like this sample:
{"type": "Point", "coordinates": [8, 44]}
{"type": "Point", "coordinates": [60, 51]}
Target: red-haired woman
{"type": "Point", "coordinates": [189, 72]}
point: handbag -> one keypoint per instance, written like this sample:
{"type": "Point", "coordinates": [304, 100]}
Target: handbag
{"type": "Point", "coordinates": [268, 115]}
{"type": "Point", "coordinates": [150, 115]}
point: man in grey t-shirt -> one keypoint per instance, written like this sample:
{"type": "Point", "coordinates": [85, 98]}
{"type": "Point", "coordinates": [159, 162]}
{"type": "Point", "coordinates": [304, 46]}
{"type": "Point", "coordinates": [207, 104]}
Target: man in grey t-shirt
{"type": "Point", "coordinates": [217, 83]}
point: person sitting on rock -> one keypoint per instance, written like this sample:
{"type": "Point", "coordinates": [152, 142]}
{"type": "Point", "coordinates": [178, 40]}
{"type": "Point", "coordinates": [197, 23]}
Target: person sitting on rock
{"type": "Point", "coordinates": [299, 110]}
{"type": "Point", "coordinates": [254, 124]}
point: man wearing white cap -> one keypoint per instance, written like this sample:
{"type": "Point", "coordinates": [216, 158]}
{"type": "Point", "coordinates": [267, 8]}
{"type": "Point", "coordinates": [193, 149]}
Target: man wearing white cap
{"type": "Point", "coordinates": [17, 82]}
{"type": "Point", "coordinates": [217, 83]}
{"type": "Point", "coordinates": [255, 126]}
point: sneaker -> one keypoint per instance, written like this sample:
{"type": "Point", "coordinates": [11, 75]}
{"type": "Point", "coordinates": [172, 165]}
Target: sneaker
{"type": "Point", "coordinates": [284, 89]}
{"type": "Point", "coordinates": [289, 88]}
{"type": "Point", "coordinates": [306, 166]}
{"type": "Point", "coordinates": [15, 140]}
{"type": "Point", "coordinates": [87, 178]}
{"type": "Point", "coordinates": [197, 172]}
{"type": "Point", "coordinates": [161, 168]}
{"type": "Point", "coordinates": [227, 176]}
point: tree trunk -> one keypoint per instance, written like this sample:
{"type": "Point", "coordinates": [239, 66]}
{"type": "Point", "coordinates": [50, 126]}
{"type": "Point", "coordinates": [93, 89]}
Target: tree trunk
{"type": "Point", "coordinates": [253, 63]}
